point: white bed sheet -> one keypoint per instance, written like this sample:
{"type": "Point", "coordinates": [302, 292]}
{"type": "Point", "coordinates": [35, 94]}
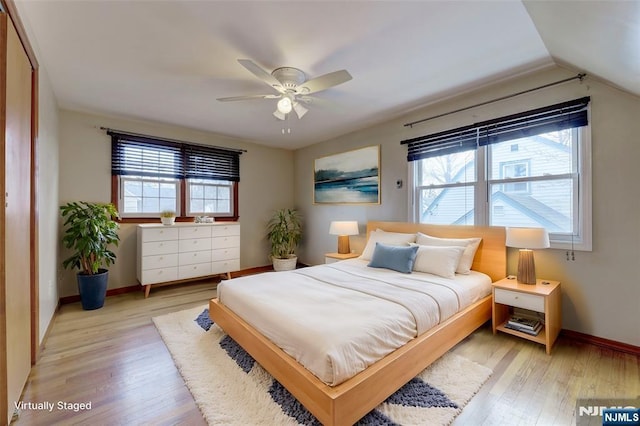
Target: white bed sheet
{"type": "Point", "coordinates": [339, 318]}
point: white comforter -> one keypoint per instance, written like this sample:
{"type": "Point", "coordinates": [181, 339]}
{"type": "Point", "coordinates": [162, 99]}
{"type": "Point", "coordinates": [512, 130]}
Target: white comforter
{"type": "Point", "coordinates": [338, 319]}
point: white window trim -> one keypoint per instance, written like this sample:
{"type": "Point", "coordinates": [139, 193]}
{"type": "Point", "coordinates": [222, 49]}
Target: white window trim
{"type": "Point", "coordinates": [121, 202]}
{"type": "Point", "coordinates": [229, 185]}
{"type": "Point", "coordinates": [581, 242]}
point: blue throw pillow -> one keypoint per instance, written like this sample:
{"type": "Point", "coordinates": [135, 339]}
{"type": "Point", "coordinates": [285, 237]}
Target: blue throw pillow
{"type": "Point", "coordinates": [398, 258]}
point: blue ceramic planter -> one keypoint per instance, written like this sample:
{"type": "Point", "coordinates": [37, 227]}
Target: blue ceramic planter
{"type": "Point", "coordinates": [93, 289]}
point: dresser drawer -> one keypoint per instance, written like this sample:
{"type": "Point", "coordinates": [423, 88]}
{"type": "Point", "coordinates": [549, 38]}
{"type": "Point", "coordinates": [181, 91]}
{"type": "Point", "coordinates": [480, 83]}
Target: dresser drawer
{"type": "Point", "coordinates": [151, 276]}
{"type": "Point", "coordinates": [159, 234]}
{"type": "Point", "coordinates": [195, 244]}
{"type": "Point", "coordinates": [225, 254]}
{"type": "Point", "coordinates": [225, 242]}
{"type": "Point", "coordinates": [193, 257]}
{"type": "Point", "coordinates": [159, 261]}
{"type": "Point", "coordinates": [189, 232]}
{"type": "Point", "coordinates": [519, 300]}
{"type": "Point", "coordinates": [225, 230]}
{"type": "Point", "coordinates": [222, 266]}
{"type": "Point", "coordinates": [159, 247]}
{"type": "Point", "coordinates": [191, 271]}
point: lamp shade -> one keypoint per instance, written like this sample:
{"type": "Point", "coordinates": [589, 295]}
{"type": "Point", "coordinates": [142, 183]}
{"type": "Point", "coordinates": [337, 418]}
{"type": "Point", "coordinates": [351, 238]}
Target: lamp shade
{"type": "Point", "coordinates": [529, 238]}
{"type": "Point", "coordinates": [344, 228]}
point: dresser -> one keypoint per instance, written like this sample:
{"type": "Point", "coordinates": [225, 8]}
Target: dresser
{"type": "Point", "coordinates": [186, 251]}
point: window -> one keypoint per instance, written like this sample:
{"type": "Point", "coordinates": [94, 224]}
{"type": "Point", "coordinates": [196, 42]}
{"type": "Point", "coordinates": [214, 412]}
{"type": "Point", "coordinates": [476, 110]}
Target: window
{"type": "Point", "coordinates": [543, 182]}
{"type": "Point", "coordinates": [140, 196]}
{"type": "Point", "coordinates": [208, 197]}
{"type": "Point", "coordinates": [151, 175]}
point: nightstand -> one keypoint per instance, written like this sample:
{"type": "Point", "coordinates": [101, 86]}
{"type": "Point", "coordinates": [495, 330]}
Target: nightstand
{"type": "Point", "coordinates": [544, 298]}
{"type": "Point", "coordinates": [335, 257]}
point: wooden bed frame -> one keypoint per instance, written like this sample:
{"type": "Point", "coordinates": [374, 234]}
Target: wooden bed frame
{"type": "Point", "coordinates": [349, 401]}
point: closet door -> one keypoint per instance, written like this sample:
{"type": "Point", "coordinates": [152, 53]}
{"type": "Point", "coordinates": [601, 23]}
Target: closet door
{"type": "Point", "coordinates": [15, 327]}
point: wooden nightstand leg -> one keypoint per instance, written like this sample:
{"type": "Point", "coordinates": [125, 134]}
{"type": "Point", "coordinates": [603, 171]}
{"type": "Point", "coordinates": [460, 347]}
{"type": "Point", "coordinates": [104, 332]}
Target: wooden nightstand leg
{"type": "Point", "coordinates": [147, 289]}
{"type": "Point", "coordinates": [500, 315]}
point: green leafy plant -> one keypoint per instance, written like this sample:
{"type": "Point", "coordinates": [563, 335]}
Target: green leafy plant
{"type": "Point", "coordinates": [167, 213]}
{"type": "Point", "coordinates": [90, 229]}
{"type": "Point", "coordinates": [284, 233]}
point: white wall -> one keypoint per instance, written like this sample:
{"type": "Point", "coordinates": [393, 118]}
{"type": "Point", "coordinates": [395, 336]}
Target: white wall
{"type": "Point", "coordinates": [601, 290]}
{"type": "Point", "coordinates": [85, 174]}
{"type": "Point", "coordinates": [47, 200]}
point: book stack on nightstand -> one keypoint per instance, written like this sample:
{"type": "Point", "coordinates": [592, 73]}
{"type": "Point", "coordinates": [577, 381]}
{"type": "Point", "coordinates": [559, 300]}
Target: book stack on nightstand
{"type": "Point", "coordinates": [525, 321]}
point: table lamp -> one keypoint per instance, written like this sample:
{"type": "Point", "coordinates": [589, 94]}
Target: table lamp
{"type": "Point", "coordinates": [343, 229]}
{"type": "Point", "coordinates": [527, 239]}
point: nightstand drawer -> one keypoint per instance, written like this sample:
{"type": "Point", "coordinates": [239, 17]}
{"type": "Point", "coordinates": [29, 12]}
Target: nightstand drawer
{"type": "Point", "coordinates": [520, 300]}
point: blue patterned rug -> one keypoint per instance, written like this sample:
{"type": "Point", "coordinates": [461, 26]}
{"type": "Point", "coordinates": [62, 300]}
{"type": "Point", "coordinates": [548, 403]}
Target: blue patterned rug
{"type": "Point", "coordinates": [230, 387]}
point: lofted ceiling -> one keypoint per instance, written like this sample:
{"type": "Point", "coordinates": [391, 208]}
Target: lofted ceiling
{"type": "Point", "coordinates": [168, 61]}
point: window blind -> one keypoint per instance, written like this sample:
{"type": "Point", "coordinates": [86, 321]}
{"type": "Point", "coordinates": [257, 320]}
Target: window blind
{"type": "Point", "coordinates": [560, 116]}
{"type": "Point", "coordinates": [136, 156]}
{"type": "Point", "coordinates": [211, 163]}
{"type": "Point", "coordinates": [146, 156]}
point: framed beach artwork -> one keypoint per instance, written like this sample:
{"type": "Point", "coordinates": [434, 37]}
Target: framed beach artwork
{"type": "Point", "coordinates": [351, 177]}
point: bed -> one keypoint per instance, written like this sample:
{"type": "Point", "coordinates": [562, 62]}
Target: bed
{"type": "Point", "coordinates": [337, 399]}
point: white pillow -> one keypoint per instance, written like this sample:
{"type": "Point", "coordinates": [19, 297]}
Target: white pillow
{"type": "Point", "coordinates": [471, 246]}
{"type": "Point", "coordinates": [389, 238]}
{"type": "Point", "coordinates": [438, 260]}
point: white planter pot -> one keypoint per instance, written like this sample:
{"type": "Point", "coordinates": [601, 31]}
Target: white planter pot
{"type": "Point", "coordinates": [285, 264]}
{"type": "Point", "coordinates": [168, 220]}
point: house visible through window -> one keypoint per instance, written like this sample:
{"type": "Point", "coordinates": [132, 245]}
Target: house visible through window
{"type": "Point", "coordinates": [152, 175]}
{"type": "Point", "coordinates": [468, 176]}
{"type": "Point", "coordinates": [515, 169]}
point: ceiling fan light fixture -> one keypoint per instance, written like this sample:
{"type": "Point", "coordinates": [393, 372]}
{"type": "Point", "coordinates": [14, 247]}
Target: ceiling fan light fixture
{"type": "Point", "coordinates": [279, 115]}
{"type": "Point", "coordinates": [285, 105]}
{"type": "Point", "coordinates": [299, 109]}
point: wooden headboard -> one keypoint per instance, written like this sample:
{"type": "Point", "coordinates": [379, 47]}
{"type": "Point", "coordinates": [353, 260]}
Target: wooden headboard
{"type": "Point", "coordinates": [491, 257]}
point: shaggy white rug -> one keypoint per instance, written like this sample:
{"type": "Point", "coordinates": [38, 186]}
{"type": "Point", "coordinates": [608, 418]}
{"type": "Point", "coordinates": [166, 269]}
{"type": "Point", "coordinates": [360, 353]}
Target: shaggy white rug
{"type": "Point", "coordinates": [230, 388]}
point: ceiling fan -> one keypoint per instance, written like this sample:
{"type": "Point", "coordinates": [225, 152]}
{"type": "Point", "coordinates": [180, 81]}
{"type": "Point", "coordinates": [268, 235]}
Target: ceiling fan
{"type": "Point", "coordinates": [292, 87]}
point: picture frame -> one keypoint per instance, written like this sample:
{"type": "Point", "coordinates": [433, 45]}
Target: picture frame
{"type": "Point", "coordinates": [351, 177]}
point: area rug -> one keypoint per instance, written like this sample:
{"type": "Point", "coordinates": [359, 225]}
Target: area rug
{"type": "Point", "coordinates": [230, 388]}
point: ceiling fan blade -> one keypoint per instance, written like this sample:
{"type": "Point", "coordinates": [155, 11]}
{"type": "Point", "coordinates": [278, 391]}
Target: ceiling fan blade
{"type": "Point", "coordinates": [324, 82]}
{"type": "Point", "coordinates": [261, 74]}
{"type": "Point", "coordinates": [247, 98]}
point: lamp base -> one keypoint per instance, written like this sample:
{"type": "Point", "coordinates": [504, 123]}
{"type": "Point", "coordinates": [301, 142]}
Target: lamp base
{"type": "Point", "coordinates": [343, 244]}
{"type": "Point", "coordinates": [526, 267]}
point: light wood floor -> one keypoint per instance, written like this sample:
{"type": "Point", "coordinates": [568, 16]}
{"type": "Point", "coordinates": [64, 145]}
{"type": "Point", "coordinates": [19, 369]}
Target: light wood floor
{"type": "Point", "coordinates": [115, 358]}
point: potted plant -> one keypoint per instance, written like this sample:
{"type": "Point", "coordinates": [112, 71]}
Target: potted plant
{"type": "Point", "coordinates": [284, 234]}
{"type": "Point", "coordinates": [167, 217]}
{"type": "Point", "coordinates": [90, 229]}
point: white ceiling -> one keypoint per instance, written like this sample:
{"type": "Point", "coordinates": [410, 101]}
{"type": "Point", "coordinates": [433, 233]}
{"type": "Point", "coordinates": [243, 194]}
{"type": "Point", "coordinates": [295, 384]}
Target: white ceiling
{"type": "Point", "coordinates": [168, 61]}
